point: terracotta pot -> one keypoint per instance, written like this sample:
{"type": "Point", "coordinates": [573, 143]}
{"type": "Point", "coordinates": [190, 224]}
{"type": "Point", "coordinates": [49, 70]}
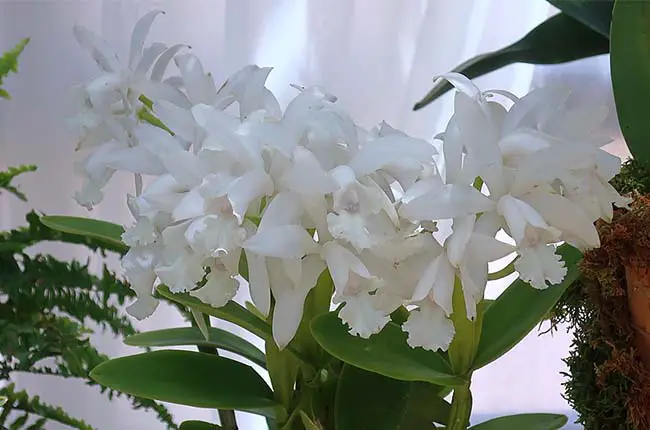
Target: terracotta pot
{"type": "Point", "coordinates": [637, 276]}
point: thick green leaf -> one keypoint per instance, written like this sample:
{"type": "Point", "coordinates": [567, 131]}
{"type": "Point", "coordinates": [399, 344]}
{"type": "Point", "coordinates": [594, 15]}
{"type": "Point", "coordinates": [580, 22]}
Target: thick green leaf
{"type": "Point", "coordinates": [219, 338]}
{"type": "Point", "coordinates": [630, 69]}
{"type": "Point", "coordinates": [524, 421]}
{"type": "Point", "coordinates": [425, 404]}
{"type": "Point", "coordinates": [559, 39]}
{"type": "Point", "coordinates": [383, 402]}
{"type": "Point", "coordinates": [231, 312]}
{"type": "Point", "coordinates": [198, 425]}
{"type": "Point", "coordinates": [519, 309]}
{"type": "Point", "coordinates": [188, 378]}
{"type": "Point", "coordinates": [386, 352]}
{"type": "Point", "coordinates": [404, 405]}
{"type": "Point", "coordinates": [101, 230]}
{"type": "Point", "coordinates": [595, 14]}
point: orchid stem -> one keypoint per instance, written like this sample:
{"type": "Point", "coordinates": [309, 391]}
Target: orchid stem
{"type": "Point", "coordinates": [226, 417]}
{"type": "Point", "coordinates": [506, 271]}
{"type": "Point", "coordinates": [461, 408]}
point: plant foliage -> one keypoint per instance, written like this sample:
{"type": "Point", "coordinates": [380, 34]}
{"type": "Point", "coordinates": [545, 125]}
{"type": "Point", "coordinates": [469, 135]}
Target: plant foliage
{"type": "Point", "coordinates": [46, 306]}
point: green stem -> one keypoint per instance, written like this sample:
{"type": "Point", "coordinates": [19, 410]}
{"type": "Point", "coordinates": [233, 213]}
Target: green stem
{"type": "Point", "coordinates": [461, 408]}
{"type": "Point", "coordinates": [226, 417]}
{"type": "Point", "coordinates": [508, 270]}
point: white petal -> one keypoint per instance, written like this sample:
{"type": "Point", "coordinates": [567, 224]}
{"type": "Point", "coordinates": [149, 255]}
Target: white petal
{"type": "Point", "coordinates": [287, 315]}
{"type": "Point", "coordinates": [450, 202]}
{"type": "Point", "coordinates": [461, 82]}
{"type": "Point", "coordinates": [191, 205]}
{"type": "Point", "coordinates": [219, 290]}
{"type": "Point", "coordinates": [306, 176]}
{"type": "Point", "coordinates": [158, 70]}
{"type": "Point", "coordinates": [529, 110]}
{"type": "Point", "coordinates": [387, 150]}
{"type": "Point", "coordinates": [351, 228]}
{"type": "Point", "coordinates": [341, 262]}
{"type": "Point", "coordinates": [437, 278]}
{"type": "Point", "coordinates": [199, 86]}
{"type": "Point", "coordinates": [540, 265]}
{"type": "Point", "coordinates": [285, 208]}
{"type": "Point", "coordinates": [518, 215]}
{"type": "Point", "coordinates": [564, 215]}
{"type": "Point", "coordinates": [139, 36]}
{"type": "Point", "coordinates": [181, 273]}
{"type": "Point", "coordinates": [177, 119]}
{"type": "Point", "coordinates": [429, 328]}
{"type": "Point", "coordinates": [362, 318]}
{"type": "Point", "coordinates": [462, 232]}
{"type": "Point", "coordinates": [290, 301]}
{"type": "Point", "coordinates": [98, 48]}
{"type": "Point", "coordinates": [258, 280]}
{"type": "Point", "coordinates": [473, 278]}
{"type": "Point", "coordinates": [149, 55]}
{"type": "Point", "coordinates": [287, 241]}
{"type": "Point", "coordinates": [143, 307]}
{"type": "Point", "coordinates": [159, 91]}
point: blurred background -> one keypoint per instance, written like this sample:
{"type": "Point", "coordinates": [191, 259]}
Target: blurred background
{"type": "Point", "coordinates": [378, 57]}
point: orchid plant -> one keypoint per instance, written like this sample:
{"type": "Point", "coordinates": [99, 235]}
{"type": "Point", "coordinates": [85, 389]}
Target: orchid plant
{"type": "Point", "coordinates": [366, 253]}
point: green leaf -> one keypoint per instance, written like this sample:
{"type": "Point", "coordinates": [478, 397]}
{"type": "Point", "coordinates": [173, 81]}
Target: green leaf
{"type": "Point", "coordinates": [231, 312]}
{"type": "Point", "coordinates": [283, 371]}
{"type": "Point", "coordinates": [88, 227]}
{"type": "Point", "coordinates": [198, 425]}
{"type": "Point", "coordinates": [596, 15]}
{"type": "Point", "coordinates": [519, 309]}
{"type": "Point", "coordinates": [630, 69]}
{"type": "Point", "coordinates": [386, 352]}
{"type": "Point", "coordinates": [307, 422]}
{"type": "Point", "coordinates": [425, 404]}
{"type": "Point", "coordinates": [404, 405]}
{"type": "Point", "coordinates": [219, 338]}
{"type": "Point", "coordinates": [524, 421]}
{"type": "Point", "coordinates": [383, 402]}
{"type": "Point", "coordinates": [3, 400]}
{"type": "Point", "coordinates": [559, 39]}
{"type": "Point", "coordinates": [188, 378]}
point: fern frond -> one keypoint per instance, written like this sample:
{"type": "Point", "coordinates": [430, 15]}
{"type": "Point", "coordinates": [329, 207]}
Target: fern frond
{"type": "Point", "coordinates": [9, 64]}
{"type": "Point", "coordinates": [22, 402]}
{"type": "Point", "coordinates": [10, 174]}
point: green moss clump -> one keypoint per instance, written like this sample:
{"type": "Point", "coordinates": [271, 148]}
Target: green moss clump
{"type": "Point", "coordinates": [606, 384]}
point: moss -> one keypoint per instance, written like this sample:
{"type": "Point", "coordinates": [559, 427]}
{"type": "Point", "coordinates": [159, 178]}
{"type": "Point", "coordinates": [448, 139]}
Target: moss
{"type": "Point", "coordinates": [607, 384]}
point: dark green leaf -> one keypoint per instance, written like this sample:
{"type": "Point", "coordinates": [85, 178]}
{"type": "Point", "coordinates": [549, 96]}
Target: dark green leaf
{"type": "Point", "coordinates": [198, 425]}
{"type": "Point", "coordinates": [88, 227]}
{"type": "Point", "coordinates": [231, 312]}
{"type": "Point", "coordinates": [383, 402]}
{"type": "Point", "coordinates": [386, 352]}
{"type": "Point", "coordinates": [219, 338]}
{"type": "Point", "coordinates": [188, 378]}
{"type": "Point", "coordinates": [559, 39]}
{"type": "Point", "coordinates": [630, 69]}
{"type": "Point", "coordinates": [595, 14]}
{"type": "Point", "coordinates": [524, 421]}
{"type": "Point", "coordinates": [425, 404]}
{"type": "Point", "coordinates": [519, 309]}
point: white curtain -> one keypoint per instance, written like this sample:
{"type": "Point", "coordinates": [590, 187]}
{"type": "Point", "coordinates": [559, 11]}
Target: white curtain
{"type": "Point", "coordinates": [377, 56]}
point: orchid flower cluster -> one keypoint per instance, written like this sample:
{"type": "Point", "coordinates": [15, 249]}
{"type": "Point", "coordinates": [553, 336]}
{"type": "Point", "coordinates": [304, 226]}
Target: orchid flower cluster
{"type": "Point", "coordinates": [225, 179]}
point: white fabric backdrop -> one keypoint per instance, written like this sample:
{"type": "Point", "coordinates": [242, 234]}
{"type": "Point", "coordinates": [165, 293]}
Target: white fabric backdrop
{"type": "Point", "coordinates": [377, 56]}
